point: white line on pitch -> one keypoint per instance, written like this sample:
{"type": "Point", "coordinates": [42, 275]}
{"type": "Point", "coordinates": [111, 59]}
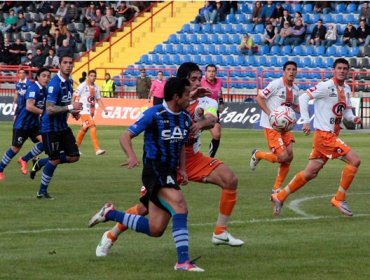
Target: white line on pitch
{"type": "Point", "coordinates": [252, 221]}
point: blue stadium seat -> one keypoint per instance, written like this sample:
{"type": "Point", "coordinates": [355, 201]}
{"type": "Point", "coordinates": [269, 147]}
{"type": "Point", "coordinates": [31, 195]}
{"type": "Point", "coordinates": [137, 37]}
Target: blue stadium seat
{"type": "Point", "coordinates": [331, 51]}
{"type": "Point", "coordinates": [181, 38]}
{"type": "Point", "coordinates": [240, 60]}
{"type": "Point", "coordinates": [297, 50]}
{"type": "Point", "coordinates": [203, 39]}
{"type": "Point", "coordinates": [211, 49]}
{"type": "Point", "coordinates": [310, 28]}
{"type": "Point", "coordinates": [307, 8]}
{"type": "Point", "coordinates": [275, 50]}
{"type": "Point", "coordinates": [286, 50]}
{"type": "Point", "coordinates": [281, 60]}
{"type": "Point", "coordinates": [272, 60]}
{"type": "Point", "coordinates": [165, 59]}
{"type": "Point", "coordinates": [217, 28]}
{"type": "Point", "coordinates": [264, 49]}
{"type": "Point", "coordinates": [260, 28]}
{"type": "Point", "coordinates": [257, 39]}
{"type": "Point", "coordinates": [228, 60]}
{"type": "Point", "coordinates": [241, 18]}
{"type": "Point", "coordinates": [213, 39]}
{"type": "Point", "coordinates": [354, 51]}
{"type": "Point", "coordinates": [168, 48]}
{"type": "Point", "coordinates": [185, 28]}
{"type": "Point", "coordinates": [222, 49]}
{"type": "Point", "coordinates": [248, 28]}
{"type": "Point", "coordinates": [226, 28]}
{"type": "Point", "coordinates": [217, 59]}
{"type": "Point", "coordinates": [235, 39]}
{"type": "Point", "coordinates": [192, 38]}
{"type": "Point", "coordinates": [233, 49]}
{"type": "Point", "coordinates": [237, 29]}
{"type": "Point", "coordinates": [262, 61]}
{"type": "Point", "coordinates": [185, 58]}
{"type": "Point", "coordinates": [230, 18]}
{"type": "Point", "coordinates": [305, 62]}
{"type": "Point", "coordinates": [206, 59]}
{"type": "Point", "coordinates": [178, 49]}
{"type": "Point", "coordinates": [250, 60]}
{"type": "Point", "coordinates": [172, 39]}
{"type": "Point", "coordinates": [159, 49]}
{"type": "Point", "coordinates": [195, 28]}
{"type": "Point", "coordinates": [197, 59]}
{"type": "Point", "coordinates": [326, 18]}
{"type": "Point", "coordinates": [308, 50]}
{"type": "Point", "coordinates": [224, 39]}
{"type": "Point", "coordinates": [318, 61]}
{"type": "Point", "coordinates": [328, 62]}
{"type": "Point", "coordinates": [207, 28]}
{"type": "Point", "coordinates": [144, 59]}
{"type": "Point", "coordinates": [297, 7]}
{"type": "Point", "coordinates": [199, 48]}
{"type": "Point", "coordinates": [337, 18]}
{"type": "Point", "coordinates": [176, 59]}
{"type": "Point", "coordinates": [340, 8]}
{"type": "Point", "coordinates": [342, 51]}
{"type": "Point", "coordinates": [319, 51]}
{"type": "Point", "coordinates": [351, 18]}
{"type": "Point", "coordinates": [189, 49]}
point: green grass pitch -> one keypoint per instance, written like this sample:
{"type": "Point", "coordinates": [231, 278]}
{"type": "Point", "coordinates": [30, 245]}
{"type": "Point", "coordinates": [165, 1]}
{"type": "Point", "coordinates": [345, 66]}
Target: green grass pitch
{"type": "Point", "coordinates": [310, 240]}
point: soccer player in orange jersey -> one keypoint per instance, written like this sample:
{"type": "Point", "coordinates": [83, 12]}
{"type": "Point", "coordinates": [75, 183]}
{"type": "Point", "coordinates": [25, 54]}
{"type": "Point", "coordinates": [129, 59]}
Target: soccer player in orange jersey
{"type": "Point", "coordinates": [331, 103]}
{"type": "Point", "coordinates": [281, 91]}
{"type": "Point", "coordinates": [199, 168]}
{"type": "Point", "coordinates": [88, 94]}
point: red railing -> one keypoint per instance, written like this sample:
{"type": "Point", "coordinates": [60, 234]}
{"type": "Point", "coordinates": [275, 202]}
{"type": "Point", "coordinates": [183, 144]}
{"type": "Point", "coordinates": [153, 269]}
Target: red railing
{"type": "Point", "coordinates": [109, 38]}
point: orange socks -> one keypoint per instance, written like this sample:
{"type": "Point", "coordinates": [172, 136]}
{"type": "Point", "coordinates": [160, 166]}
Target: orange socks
{"type": "Point", "coordinates": [295, 184]}
{"type": "Point", "coordinates": [94, 138]}
{"type": "Point", "coordinates": [226, 206]}
{"type": "Point", "coordinates": [282, 173]}
{"type": "Point", "coordinates": [348, 173]}
{"type": "Point", "coordinates": [266, 156]}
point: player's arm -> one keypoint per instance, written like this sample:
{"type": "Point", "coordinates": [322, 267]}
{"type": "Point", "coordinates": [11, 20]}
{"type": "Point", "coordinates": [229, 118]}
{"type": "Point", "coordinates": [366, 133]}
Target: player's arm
{"type": "Point", "coordinates": [126, 144]}
{"type": "Point", "coordinates": [261, 101]}
{"type": "Point", "coordinates": [101, 105]}
{"type": "Point", "coordinates": [31, 107]}
{"type": "Point", "coordinates": [182, 167]}
{"type": "Point", "coordinates": [53, 109]}
{"type": "Point", "coordinates": [15, 100]}
{"type": "Point", "coordinates": [305, 115]}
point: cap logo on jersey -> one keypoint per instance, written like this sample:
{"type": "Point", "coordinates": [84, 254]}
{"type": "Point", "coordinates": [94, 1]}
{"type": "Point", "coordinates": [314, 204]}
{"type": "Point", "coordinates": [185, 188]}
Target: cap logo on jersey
{"type": "Point", "coordinates": [339, 108]}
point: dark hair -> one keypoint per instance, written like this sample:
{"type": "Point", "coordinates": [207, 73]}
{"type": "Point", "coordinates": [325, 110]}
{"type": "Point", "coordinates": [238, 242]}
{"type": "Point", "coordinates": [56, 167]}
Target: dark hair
{"type": "Point", "coordinates": [290, 62]}
{"type": "Point", "coordinates": [186, 68]}
{"type": "Point", "coordinates": [84, 74]}
{"type": "Point", "coordinates": [42, 69]}
{"type": "Point", "coordinates": [174, 86]}
{"type": "Point", "coordinates": [211, 65]}
{"type": "Point", "coordinates": [65, 55]}
{"type": "Point", "coordinates": [92, 71]}
{"type": "Point", "coordinates": [340, 60]}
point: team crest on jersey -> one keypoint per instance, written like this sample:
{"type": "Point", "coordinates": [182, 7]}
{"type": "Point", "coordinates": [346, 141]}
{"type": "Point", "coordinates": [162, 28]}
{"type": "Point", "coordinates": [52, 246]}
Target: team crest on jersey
{"type": "Point", "coordinates": [266, 91]}
{"type": "Point", "coordinates": [339, 108]}
{"type": "Point", "coordinates": [50, 89]}
{"type": "Point", "coordinates": [91, 99]}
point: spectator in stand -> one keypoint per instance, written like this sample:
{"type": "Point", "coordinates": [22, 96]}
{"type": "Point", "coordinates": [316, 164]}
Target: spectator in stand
{"type": "Point", "coordinates": [107, 23]}
{"type": "Point", "coordinates": [318, 34]}
{"type": "Point", "coordinates": [65, 49]}
{"type": "Point", "coordinates": [89, 13]}
{"type": "Point", "coordinates": [53, 27]}
{"type": "Point", "coordinates": [285, 32]}
{"type": "Point", "coordinates": [34, 45]}
{"type": "Point", "coordinates": [363, 33]}
{"type": "Point", "coordinates": [124, 13]}
{"type": "Point", "coordinates": [72, 13]}
{"type": "Point", "coordinates": [6, 6]}
{"type": "Point", "coordinates": [277, 15]}
{"type": "Point", "coordinates": [298, 16]}
{"type": "Point", "coordinates": [205, 12]}
{"type": "Point", "coordinates": [42, 30]}
{"type": "Point", "coordinates": [297, 35]}
{"type": "Point", "coordinates": [218, 14]}
{"type": "Point", "coordinates": [62, 27]}
{"type": "Point", "coordinates": [350, 36]}
{"type": "Point", "coordinates": [271, 35]}
{"type": "Point", "coordinates": [61, 11]}
{"type": "Point", "coordinates": [21, 24]}
{"type": "Point", "coordinates": [17, 50]}
{"type": "Point", "coordinates": [89, 36]}
{"type": "Point", "coordinates": [256, 13]}
{"type": "Point", "coordinates": [49, 18]}
{"type": "Point", "coordinates": [58, 38]}
{"type": "Point", "coordinates": [97, 17]}
{"type": "Point", "coordinates": [322, 7]}
{"type": "Point", "coordinates": [287, 5]}
{"type": "Point", "coordinates": [6, 56]}
{"type": "Point", "coordinates": [365, 12]}
{"type": "Point", "coordinates": [28, 60]}
{"type": "Point", "coordinates": [10, 22]}
{"type": "Point", "coordinates": [286, 18]}
{"type": "Point", "coordinates": [97, 31]}
{"type": "Point", "coordinates": [143, 84]}
{"type": "Point", "coordinates": [157, 89]}
{"type": "Point", "coordinates": [267, 11]}
{"type": "Point", "coordinates": [45, 7]}
{"type": "Point", "coordinates": [102, 6]}
{"type": "Point", "coordinates": [38, 60]}
{"type": "Point", "coordinates": [71, 41]}
{"type": "Point", "coordinates": [45, 46]}
{"type": "Point", "coordinates": [247, 45]}
{"type": "Point", "coordinates": [331, 35]}
{"type": "Point", "coordinates": [51, 61]}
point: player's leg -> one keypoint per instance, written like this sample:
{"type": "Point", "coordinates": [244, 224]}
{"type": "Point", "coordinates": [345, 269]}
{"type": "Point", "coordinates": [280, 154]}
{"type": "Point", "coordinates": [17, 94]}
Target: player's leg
{"type": "Point", "coordinates": [19, 137]}
{"type": "Point", "coordinates": [95, 141]}
{"type": "Point", "coordinates": [85, 119]}
{"type": "Point", "coordinates": [348, 174]}
{"type": "Point", "coordinates": [225, 178]}
{"type": "Point", "coordinates": [216, 138]}
{"type": "Point", "coordinates": [35, 151]}
{"type": "Point", "coordinates": [272, 136]}
{"type": "Point", "coordinates": [285, 157]}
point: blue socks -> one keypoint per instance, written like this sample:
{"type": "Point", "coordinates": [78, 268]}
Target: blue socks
{"type": "Point", "coordinates": [36, 150]}
{"type": "Point", "coordinates": [180, 234]}
{"type": "Point", "coordinates": [135, 222]}
{"type": "Point", "coordinates": [47, 175]}
{"type": "Point", "coordinates": [9, 154]}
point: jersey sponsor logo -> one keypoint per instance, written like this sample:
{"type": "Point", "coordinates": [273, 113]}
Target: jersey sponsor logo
{"type": "Point", "coordinates": [266, 91]}
{"type": "Point", "coordinates": [339, 108]}
{"type": "Point", "coordinates": [175, 133]}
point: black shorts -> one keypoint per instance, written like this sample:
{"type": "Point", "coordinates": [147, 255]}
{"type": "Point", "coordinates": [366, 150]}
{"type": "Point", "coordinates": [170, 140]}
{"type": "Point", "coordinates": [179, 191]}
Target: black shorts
{"type": "Point", "coordinates": [55, 142]}
{"type": "Point", "coordinates": [156, 176]}
{"type": "Point", "coordinates": [21, 135]}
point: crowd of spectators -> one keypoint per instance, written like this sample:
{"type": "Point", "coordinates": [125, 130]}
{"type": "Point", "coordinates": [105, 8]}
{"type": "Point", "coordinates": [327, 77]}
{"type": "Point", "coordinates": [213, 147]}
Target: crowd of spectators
{"type": "Point", "coordinates": [216, 11]}
{"type": "Point", "coordinates": [52, 25]}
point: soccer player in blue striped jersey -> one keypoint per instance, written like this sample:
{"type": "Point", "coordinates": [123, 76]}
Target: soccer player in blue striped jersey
{"type": "Point", "coordinates": [57, 136]}
{"type": "Point", "coordinates": [166, 128]}
{"type": "Point", "coordinates": [20, 90]}
{"type": "Point", "coordinates": [27, 122]}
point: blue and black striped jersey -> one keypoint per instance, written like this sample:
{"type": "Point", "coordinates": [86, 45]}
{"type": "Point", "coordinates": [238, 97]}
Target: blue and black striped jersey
{"type": "Point", "coordinates": [25, 119]}
{"type": "Point", "coordinates": [60, 93]}
{"type": "Point", "coordinates": [165, 133]}
{"type": "Point", "coordinates": [21, 88]}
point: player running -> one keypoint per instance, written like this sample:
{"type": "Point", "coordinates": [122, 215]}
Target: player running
{"type": "Point", "coordinates": [279, 92]}
{"type": "Point", "coordinates": [331, 103]}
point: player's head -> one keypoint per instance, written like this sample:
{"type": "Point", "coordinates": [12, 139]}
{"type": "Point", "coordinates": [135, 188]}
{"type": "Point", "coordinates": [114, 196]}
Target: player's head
{"type": "Point", "coordinates": [22, 74]}
{"type": "Point", "coordinates": [43, 76]}
{"type": "Point", "coordinates": [66, 64]}
{"type": "Point", "coordinates": [177, 90]}
{"type": "Point", "coordinates": [340, 69]}
{"type": "Point", "coordinates": [290, 71]}
{"type": "Point", "coordinates": [92, 76]}
{"type": "Point", "coordinates": [211, 71]}
{"type": "Point", "coordinates": [192, 72]}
